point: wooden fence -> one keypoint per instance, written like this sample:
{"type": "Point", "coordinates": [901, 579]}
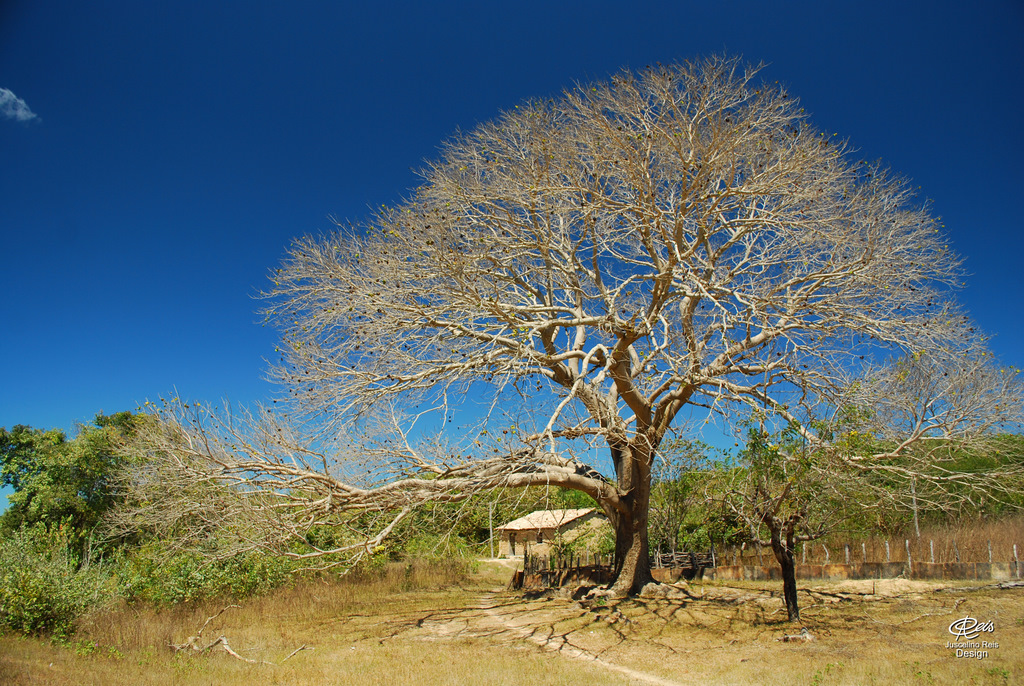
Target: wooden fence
{"type": "Point", "coordinates": [561, 570]}
{"type": "Point", "coordinates": [876, 559]}
{"type": "Point", "coordinates": [684, 560]}
{"type": "Point", "coordinates": [879, 558]}
{"type": "Point", "coordinates": [876, 551]}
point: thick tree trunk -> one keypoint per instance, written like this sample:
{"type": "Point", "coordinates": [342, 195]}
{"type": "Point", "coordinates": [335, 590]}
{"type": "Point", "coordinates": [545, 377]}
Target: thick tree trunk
{"type": "Point", "coordinates": [632, 554]}
{"type": "Point", "coordinates": [784, 550]}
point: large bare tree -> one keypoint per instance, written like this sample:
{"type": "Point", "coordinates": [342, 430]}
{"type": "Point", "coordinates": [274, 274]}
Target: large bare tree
{"type": "Point", "coordinates": [595, 264]}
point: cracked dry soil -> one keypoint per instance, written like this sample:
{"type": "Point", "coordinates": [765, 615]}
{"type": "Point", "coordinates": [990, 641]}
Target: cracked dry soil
{"type": "Point", "coordinates": [717, 633]}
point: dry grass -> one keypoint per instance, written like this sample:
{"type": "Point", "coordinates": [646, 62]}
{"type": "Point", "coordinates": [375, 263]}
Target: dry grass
{"type": "Point", "coordinates": [964, 542]}
{"type": "Point", "coordinates": [350, 625]}
{"type": "Point", "coordinates": [968, 540]}
{"type": "Point", "coordinates": [429, 627]}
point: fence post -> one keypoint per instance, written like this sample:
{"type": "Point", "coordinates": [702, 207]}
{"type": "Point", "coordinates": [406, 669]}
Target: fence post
{"type": "Point", "coordinates": [910, 564]}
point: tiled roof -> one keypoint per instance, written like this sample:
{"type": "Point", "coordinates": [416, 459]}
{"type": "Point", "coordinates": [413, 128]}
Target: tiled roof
{"type": "Point", "coordinates": [545, 519]}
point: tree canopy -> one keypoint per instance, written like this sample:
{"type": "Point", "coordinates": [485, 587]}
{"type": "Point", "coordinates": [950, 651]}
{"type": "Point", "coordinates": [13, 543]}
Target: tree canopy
{"type": "Point", "coordinates": [59, 481]}
{"type": "Point", "coordinates": [591, 265]}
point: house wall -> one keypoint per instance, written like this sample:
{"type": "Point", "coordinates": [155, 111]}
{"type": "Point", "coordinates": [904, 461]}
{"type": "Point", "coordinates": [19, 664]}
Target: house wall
{"type": "Point", "coordinates": [527, 536]}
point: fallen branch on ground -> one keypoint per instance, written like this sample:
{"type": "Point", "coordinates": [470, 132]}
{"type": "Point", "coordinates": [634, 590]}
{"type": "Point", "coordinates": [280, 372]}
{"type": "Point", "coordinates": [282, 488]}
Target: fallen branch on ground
{"type": "Point", "coordinates": [192, 644]}
{"type": "Point", "coordinates": [804, 635]}
{"type": "Point", "coordinates": [956, 605]}
{"type": "Point", "coordinates": [1002, 585]}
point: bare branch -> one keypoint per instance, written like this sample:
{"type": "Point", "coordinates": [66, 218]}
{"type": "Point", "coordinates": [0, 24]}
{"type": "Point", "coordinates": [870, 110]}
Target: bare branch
{"type": "Point", "coordinates": [681, 236]}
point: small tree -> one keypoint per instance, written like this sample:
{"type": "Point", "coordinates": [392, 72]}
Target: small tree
{"type": "Point", "coordinates": [594, 266]}
{"type": "Point", "coordinates": [896, 438]}
{"type": "Point", "coordinates": [786, 495]}
{"type": "Point", "coordinates": [680, 516]}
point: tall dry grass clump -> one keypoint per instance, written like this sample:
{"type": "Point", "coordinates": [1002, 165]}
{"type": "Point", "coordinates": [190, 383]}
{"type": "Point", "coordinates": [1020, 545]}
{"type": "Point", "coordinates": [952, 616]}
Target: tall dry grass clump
{"type": "Point", "coordinates": [149, 627]}
{"type": "Point", "coordinates": [967, 540]}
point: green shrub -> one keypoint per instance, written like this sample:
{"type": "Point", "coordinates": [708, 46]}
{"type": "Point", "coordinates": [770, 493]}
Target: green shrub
{"type": "Point", "coordinates": [42, 588]}
{"type": "Point", "coordinates": [153, 574]}
{"type": "Point", "coordinates": [429, 546]}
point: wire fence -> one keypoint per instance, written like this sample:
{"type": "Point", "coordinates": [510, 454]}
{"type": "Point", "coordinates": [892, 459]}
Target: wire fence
{"type": "Point", "coordinates": [874, 550]}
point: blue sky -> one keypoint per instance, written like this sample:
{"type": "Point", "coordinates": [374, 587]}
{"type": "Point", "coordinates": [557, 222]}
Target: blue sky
{"type": "Point", "coordinates": [177, 148]}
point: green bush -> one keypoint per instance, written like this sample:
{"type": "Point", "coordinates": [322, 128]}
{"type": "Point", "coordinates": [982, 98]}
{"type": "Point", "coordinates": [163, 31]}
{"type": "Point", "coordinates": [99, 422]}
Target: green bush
{"type": "Point", "coordinates": [42, 587]}
{"type": "Point", "coordinates": [153, 574]}
{"type": "Point", "coordinates": [430, 546]}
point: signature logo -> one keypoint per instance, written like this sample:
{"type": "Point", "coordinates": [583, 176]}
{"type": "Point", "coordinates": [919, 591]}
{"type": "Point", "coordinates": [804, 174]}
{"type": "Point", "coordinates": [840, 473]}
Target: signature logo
{"type": "Point", "coordinates": [970, 628]}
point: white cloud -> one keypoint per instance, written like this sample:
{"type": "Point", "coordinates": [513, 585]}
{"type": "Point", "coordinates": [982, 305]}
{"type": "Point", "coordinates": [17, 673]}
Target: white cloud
{"type": "Point", "coordinates": [13, 107]}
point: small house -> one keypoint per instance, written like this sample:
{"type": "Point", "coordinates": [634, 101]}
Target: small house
{"type": "Point", "coordinates": [539, 529]}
